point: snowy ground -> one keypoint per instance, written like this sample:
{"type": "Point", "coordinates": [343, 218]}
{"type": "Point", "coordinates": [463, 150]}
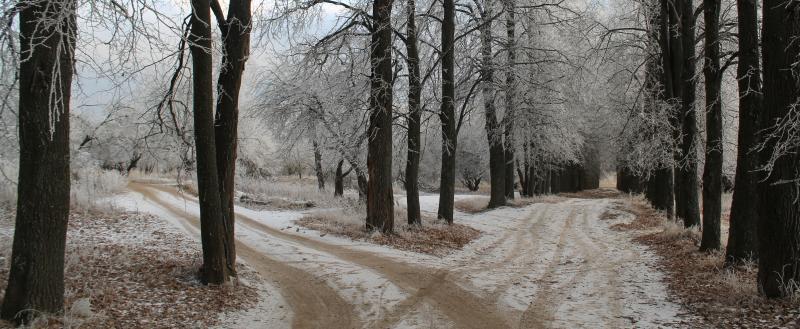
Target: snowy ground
{"type": "Point", "coordinates": [545, 265]}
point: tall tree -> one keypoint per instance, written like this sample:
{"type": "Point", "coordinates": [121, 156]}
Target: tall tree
{"type": "Point", "coordinates": [380, 196]}
{"type": "Point", "coordinates": [662, 69]}
{"type": "Point", "coordinates": [414, 117]}
{"type": "Point", "coordinates": [712, 172]}
{"type": "Point", "coordinates": [47, 35]}
{"type": "Point", "coordinates": [689, 186]}
{"type": "Point", "coordinates": [511, 95]}
{"type": "Point", "coordinates": [447, 115]}
{"type": "Point", "coordinates": [494, 131]}
{"type": "Point", "coordinates": [212, 227]}
{"type": "Point", "coordinates": [742, 238]}
{"type": "Point", "coordinates": [779, 209]}
{"type": "Point", "coordinates": [235, 32]}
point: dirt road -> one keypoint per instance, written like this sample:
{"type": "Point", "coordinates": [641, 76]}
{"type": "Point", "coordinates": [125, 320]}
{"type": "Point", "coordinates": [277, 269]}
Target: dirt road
{"type": "Point", "coordinates": [546, 265]}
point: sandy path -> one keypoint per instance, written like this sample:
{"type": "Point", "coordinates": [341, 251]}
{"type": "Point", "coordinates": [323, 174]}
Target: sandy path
{"type": "Point", "coordinates": [463, 308]}
{"type": "Point", "coordinates": [549, 265]}
{"type": "Point", "coordinates": [314, 303]}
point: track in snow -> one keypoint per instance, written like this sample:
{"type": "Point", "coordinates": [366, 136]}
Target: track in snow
{"type": "Point", "coordinates": [547, 265]}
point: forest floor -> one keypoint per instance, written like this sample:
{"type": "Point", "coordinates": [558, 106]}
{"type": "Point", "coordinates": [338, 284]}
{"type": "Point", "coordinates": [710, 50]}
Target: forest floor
{"type": "Point", "coordinates": [555, 263]}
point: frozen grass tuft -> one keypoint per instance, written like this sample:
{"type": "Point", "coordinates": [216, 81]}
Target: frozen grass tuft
{"type": "Point", "coordinates": [92, 186]}
{"type": "Point", "coordinates": [291, 194]}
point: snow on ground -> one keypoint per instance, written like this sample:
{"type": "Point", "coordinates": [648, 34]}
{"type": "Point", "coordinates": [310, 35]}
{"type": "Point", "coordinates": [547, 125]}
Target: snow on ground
{"type": "Point", "coordinates": [544, 265]}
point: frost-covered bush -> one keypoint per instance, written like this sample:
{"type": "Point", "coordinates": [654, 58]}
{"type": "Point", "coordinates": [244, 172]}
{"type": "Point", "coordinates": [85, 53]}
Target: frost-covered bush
{"type": "Point", "coordinates": [8, 187]}
{"type": "Point", "coordinates": [91, 185]}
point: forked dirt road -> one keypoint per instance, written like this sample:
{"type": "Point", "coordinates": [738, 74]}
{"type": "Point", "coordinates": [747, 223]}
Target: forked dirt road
{"type": "Point", "coordinates": [546, 265]}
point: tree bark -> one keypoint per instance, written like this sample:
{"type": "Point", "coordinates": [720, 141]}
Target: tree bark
{"type": "Point", "coordinates": [318, 166]}
{"type": "Point", "coordinates": [36, 278]}
{"type": "Point", "coordinates": [380, 196]}
{"type": "Point", "coordinates": [338, 183]}
{"type": "Point", "coordinates": [494, 133]}
{"type": "Point", "coordinates": [235, 33]}
{"type": "Point", "coordinates": [511, 95]}
{"type": "Point", "coordinates": [743, 237]}
{"type": "Point", "coordinates": [212, 227]}
{"type": "Point", "coordinates": [447, 115]}
{"type": "Point", "coordinates": [414, 118]}
{"type": "Point", "coordinates": [779, 210]}
{"type": "Point", "coordinates": [712, 172]}
{"type": "Point", "coordinates": [689, 185]}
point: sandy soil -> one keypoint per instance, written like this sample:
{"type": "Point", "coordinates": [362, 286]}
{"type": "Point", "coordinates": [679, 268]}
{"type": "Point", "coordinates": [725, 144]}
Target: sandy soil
{"type": "Point", "coordinates": [545, 265]}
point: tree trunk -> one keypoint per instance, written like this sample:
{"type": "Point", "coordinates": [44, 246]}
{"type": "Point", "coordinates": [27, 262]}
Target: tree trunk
{"type": "Point", "coordinates": [779, 210]}
{"type": "Point", "coordinates": [743, 237]}
{"type": "Point", "coordinates": [494, 133]}
{"type": "Point", "coordinates": [36, 278]}
{"type": "Point", "coordinates": [689, 184]}
{"type": "Point", "coordinates": [380, 196]}
{"type": "Point", "coordinates": [712, 172]}
{"type": "Point", "coordinates": [511, 95]}
{"type": "Point", "coordinates": [318, 166]}
{"type": "Point", "coordinates": [236, 47]}
{"type": "Point", "coordinates": [338, 183]}
{"type": "Point", "coordinates": [213, 233]}
{"type": "Point", "coordinates": [448, 115]}
{"type": "Point", "coordinates": [414, 118]}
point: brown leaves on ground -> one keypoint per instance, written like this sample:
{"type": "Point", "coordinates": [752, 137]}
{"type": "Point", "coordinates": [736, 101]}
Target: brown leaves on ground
{"type": "Point", "coordinates": [480, 203]}
{"type": "Point", "coordinates": [434, 237]}
{"type": "Point", "coordinates": [721, 297]}
{"type": "Point", "coordinates": [132, 271]}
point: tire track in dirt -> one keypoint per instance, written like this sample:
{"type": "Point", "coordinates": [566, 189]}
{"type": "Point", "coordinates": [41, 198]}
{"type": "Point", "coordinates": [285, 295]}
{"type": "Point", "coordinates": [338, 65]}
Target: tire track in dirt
{"type": "Point", "coordinates": [314, 303]}
{"type": "Point", "coordinates": [465, 309]}
{"type": "Point", "coordinates": [600, 259]}
{"type": "Point", "coordinates": [596, 259]}
{"type": "Point", "coordinates": [546, 302]}
{"type": "Point", "coordinates": [528, 240]}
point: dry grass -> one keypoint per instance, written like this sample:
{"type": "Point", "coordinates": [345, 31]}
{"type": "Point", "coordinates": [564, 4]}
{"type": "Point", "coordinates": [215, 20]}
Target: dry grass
{"type": "Point", "coordinates": [131, 271]}
{"type": "Point", "coordinates": [434, 237]}
{"type": "Point", "coordinates": [480, 203]}
{"type": "Point", "coordinates": [721, 296]}
{"type": "Point", "coordinates": [600, 193]}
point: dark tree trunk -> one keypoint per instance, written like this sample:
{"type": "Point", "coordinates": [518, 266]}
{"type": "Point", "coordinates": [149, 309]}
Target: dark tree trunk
{"type": "Point", "coordinates": [36, 278]}
{"type": "Point", "coordinates": [318, 166]}
{"type": "Point", "coordinates": [689, 185]}
{"type": "Point", "coordinates": [338, 183]}
{"type": "Point", "coordinates": [361, 180]}
{"type": "Point", "coordinates": [511, 95]}
{"type": "Point", "coordinates": [660, 190]}
{"type": "Point", "coordinates": [779, 210]}
{"type": "Point", "coordinates": [235, 33]}
{"type": "Point", "coordinates": [448, 115]}
{"type": "Point", "coordinates": [213, 233]}
{"type": "Point", "coordinates": [414, 118]}
{"type": "Point", "coordinates": [494, 133]}
{"type": "Point", "coordinates": [522, 180]}
{"type": "Point", "coordinates": [712, 172]}
{"type": "Point", "coordinates": [743, 237]}
{"type": "Point", "coordinates": [531, 181]}
{"type": "Point", "coordinates": [380, 196]}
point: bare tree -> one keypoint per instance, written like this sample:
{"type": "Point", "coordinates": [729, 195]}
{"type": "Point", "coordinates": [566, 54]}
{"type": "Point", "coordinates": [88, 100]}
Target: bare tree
{"type": "Point", "coordinates": [414, 117]}
{"type": "Point", "coordinates": [447, 115]}
{"type": "Point", "coordinates": [779, 208]}
{"type": "Point", "coordinates": [712, 173]}
{"type": "Point", "coordinates": [47, 34]}
{"type": "Point", "coordinates": [380, 195]}
{"type": "Point", "coordinates": [212, 229]}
